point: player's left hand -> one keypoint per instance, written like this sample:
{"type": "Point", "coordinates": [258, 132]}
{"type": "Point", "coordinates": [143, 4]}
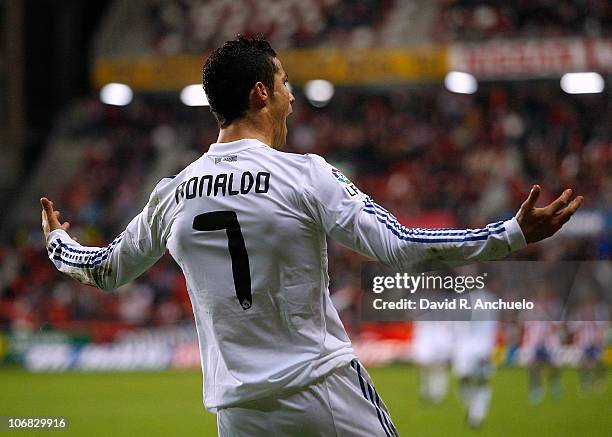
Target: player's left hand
{"type": "Point", "coordinates": [50, 218]}
{"type": "Point", "coordinates": [540, 223]}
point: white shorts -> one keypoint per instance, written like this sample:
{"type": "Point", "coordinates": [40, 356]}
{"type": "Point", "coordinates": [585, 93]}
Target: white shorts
{"type": "Point", "coordinates": [343, 403]}
{"type": "Point", "coordinates": [432, 350]}
{"type": "Point", "coordinates": [471, 362]}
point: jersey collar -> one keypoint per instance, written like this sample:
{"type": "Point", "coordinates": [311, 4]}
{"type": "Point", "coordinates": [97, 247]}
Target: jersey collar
{"type": "Point", "coordinates": [234, 146]}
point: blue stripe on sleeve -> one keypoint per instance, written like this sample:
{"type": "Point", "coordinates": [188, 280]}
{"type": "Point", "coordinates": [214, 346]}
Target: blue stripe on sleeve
{"type": "Point", "coordinates": [373, 208]}
{"type": "Point", "coordinates": [58, 257]}
{"type": "Point", "coordinates": [391, 222]}
{"type": "Point", "coordinates": [59, 243]}
{"type": "Point", "coordinates": [432, 232]}
{"type": "Point", "coordinates": [414, 236]}
{"type": "Point", "coordinates": [89, 258]}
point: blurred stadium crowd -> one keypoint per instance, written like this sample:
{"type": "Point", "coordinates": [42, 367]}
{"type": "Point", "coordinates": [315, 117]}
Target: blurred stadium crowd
{"type": "Point", "coordinates": [434, 158]}
{"type": "Point", "coordinates": [183, 26]}
{"type": "Point", "coordinates": [188, 26]}
{"type": "Point", "coordinates": [477, 19]}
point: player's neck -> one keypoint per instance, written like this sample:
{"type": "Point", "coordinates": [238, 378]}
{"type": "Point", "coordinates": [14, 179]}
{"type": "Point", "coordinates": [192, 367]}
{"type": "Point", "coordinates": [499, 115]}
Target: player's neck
{"type": "Point", "coordinates": [247, 128]}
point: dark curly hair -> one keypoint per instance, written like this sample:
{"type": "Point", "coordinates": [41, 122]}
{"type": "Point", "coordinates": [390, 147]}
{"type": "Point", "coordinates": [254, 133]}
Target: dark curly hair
{"type": "Point", "coordinates": [230, 73]}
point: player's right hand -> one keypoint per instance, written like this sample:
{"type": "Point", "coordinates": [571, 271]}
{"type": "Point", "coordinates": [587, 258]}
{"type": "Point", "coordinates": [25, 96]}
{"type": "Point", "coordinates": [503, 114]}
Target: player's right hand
{"type": "Point", "coordinates": [50, 218]}
{"type": "Point", "coordinates": [540, 223]}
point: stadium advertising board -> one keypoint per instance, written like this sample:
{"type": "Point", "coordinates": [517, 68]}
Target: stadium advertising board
{"type": "Point", "coordinates": [498, 59]}
{"type": "Point", "coordinates": [355, 67]}
{"type": "Point", "coordinates": [531, 58]}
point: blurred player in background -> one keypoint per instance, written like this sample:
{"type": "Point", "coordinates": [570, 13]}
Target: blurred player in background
{"type": "Point", "coordinates": [431, 350]}
{"type": "Point", "coordinates": [589, 330]}
{"type": "Point", "coordinates": [540, 345]}
{"type": "Point", "coordinates": [247, 224]}
{"type": "Point", "coordinates": [473, 345]}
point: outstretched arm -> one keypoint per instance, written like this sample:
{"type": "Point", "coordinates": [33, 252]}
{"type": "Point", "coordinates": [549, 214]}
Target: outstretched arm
{"type": "Point", "coordinates": [355, 220]}
{"type": "Point", "coordinates": [127, 257]}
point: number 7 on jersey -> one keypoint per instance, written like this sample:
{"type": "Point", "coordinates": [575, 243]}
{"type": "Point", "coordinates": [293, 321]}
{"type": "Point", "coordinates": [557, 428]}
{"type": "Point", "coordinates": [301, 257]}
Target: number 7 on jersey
{"type": "Point", "coordinates": [228, 220]}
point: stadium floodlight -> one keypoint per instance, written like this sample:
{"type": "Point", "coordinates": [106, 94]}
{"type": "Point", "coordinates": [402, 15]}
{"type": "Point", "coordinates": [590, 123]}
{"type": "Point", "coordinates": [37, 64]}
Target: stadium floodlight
{"type": "Point", "coordinates": [116, 94]}
{"type": "Point", "coordinates": [582, 83]}
{"type": "Point", "coordinates": [194, 95]}
{"type": "Point", "coordinates": [462, 83]}
{"type": "Point", "coordinates": [319, 92]}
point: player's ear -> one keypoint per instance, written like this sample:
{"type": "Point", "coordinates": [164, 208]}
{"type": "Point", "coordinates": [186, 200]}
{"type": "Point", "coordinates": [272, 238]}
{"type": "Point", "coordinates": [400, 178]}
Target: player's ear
{"type": "Point", "coordinates": [259, 95]}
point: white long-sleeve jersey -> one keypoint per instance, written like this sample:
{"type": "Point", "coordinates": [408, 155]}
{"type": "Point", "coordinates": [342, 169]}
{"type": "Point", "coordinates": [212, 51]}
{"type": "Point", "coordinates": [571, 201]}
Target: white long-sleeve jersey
{"type": "Point", "coordinates": [247, 224]}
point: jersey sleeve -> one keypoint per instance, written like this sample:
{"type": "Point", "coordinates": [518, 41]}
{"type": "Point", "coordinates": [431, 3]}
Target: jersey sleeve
{"type": "Point", "coordinates": [353, 219]}
{"type": "Point", "coordinates": [136, 249]}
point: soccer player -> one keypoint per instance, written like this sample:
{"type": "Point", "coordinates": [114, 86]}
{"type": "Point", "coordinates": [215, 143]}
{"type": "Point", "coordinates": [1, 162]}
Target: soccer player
{"type": "Point", "coordinates": [474, 342]}
{"type": "Point", "coordinates": [589, 331]}
{"type": "Point", "coordinates": [432, 349]}
{"type": "Point", "coordinates": [541, 344]}
{"type": "Point", "coordinates": [247, 224]}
